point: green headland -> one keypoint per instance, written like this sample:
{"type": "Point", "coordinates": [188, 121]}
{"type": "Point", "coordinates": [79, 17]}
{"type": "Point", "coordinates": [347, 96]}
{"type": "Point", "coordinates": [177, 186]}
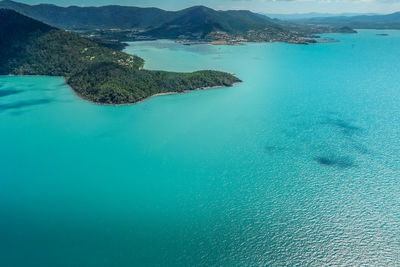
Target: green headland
{"type": "Point", "coordinates": [96, 72]}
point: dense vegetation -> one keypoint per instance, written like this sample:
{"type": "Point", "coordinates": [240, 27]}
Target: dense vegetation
{"type": "Point", "coordinates": [198, 20]}
{"type": "Point", "coordinates": [96, 72]}
{"type": "Point", "coordinates": [75, 17]}
{"type": "Point", "coordinates": [201, 21]}
{"type": "Point", "coordinates": [119, 85]}
{"type": "Point", "coordinates": [122, 23]}
{"type": "Point", "coordinates": [124, 17]}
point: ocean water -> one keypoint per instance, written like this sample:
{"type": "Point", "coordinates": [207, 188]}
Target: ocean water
{"type": "Point", "coordinates": [297, 165]}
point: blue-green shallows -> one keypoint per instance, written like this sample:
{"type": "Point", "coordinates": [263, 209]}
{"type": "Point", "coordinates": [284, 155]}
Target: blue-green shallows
{"type": "Point", "coordinates": [298, 165]}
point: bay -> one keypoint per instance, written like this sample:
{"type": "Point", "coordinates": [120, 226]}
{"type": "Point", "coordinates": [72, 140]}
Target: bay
{"type": "Point", "coordinates": [299, 164]}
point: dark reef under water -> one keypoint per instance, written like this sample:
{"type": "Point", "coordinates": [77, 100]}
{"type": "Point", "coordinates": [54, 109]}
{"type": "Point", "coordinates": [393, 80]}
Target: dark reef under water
{"type": "Point", "coordinates": [7, 92]}
{"type": "Point", "coordinates": [345, 126]}
{"type": "Point", "coordinates": [334, 161]}
{"type": "Point", "coordinates": [23, 104]}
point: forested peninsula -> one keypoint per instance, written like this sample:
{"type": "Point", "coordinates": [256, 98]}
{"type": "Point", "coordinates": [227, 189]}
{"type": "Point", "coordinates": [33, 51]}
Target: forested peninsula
{"type": "Point", "coordinates": [96, 72]}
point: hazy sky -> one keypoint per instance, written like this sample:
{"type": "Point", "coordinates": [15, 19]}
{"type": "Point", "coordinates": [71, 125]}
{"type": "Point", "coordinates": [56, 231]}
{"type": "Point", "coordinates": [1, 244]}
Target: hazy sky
{"type": "Point", "coordinates": [267, 6]}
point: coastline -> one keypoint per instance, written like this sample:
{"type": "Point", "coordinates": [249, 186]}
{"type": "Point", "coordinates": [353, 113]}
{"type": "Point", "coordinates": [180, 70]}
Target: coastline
{"type": "Point", "coordinates": [160, 94]}
{"type": "Point", "coordinates": [123, 104]}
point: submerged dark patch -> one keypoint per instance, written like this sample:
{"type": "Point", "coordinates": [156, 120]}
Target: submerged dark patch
{"type": "Point", "coordinates": [23, 104]}
{"type": "Point", "coordinates": [272, 149]}
{"type": "Point", "coordinates": [332, 161]}
{"type": "Point", "coordinates": [360, 148]}
{"type": "Point", "coordinates": [4, 93]}
{"type": "Point", "coordinates": [345, 126]}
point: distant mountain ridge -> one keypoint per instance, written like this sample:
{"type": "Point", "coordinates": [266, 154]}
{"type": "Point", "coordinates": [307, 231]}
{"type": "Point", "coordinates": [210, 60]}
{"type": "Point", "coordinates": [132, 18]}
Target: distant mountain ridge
{"type": "Point", "coordinates": [197, 19]}
{"type": "Point", "coordinates": [300, 16]}
{"type": "Point", "coordinates": [390, 21]}
{"type": "Point", "coordinates": [115, 24]}
{"type": "Point", "coordinates": [203, 20]}
{"type": "Point", "coordinates": [74, 17]}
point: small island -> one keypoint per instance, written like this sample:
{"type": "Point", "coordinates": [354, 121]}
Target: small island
{"type": "Point", "coordinates": [95, 72]}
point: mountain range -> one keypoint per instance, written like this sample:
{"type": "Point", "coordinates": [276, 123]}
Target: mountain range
{"type": "Point", "coordinates": [298, 16]}
{"type": "Point", "coordinates": [123, 23]}
{"type": "Point", "coordinates": [390, 21]}
{"type": "Point", "coordinates": [198, 20]}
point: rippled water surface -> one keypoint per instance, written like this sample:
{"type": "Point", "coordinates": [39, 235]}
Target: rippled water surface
{"type": "Point", "coordinates": [299, 164]}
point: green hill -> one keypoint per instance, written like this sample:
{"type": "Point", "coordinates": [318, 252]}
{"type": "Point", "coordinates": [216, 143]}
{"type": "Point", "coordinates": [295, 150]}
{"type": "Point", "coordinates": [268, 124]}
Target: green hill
{"type": "Point", "coordinates": [107, 24]}
{"type": "Point", "coordinates": [75, 17]}
{"type": "Point", "coordinates": [95, 72]}
{"type": "Point", "coordinates": [200, 20]}
{"type": "Point", "coordinates": [160, 23]}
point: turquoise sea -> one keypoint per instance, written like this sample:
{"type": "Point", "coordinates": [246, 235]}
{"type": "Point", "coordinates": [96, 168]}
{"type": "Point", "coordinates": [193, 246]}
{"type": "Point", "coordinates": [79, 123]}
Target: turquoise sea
{"type": "Point", "coordinates": [297, 165]}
